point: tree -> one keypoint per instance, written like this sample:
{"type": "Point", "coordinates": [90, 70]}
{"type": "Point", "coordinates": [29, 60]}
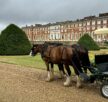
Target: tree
{"type": "Point", "coordinates": [88, 42]}
{"type": "Point", "coordinates": [13, 41]}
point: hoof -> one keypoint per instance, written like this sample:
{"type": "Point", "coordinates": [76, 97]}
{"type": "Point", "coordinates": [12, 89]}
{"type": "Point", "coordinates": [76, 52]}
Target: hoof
{"type": "Point", "coordinates": [48, 80]}
{"type": "Point", "coordinates": [68, 81]}
{"type": "Point", "coordinates": [62, 77]}
{"type": "Point", "coordinates": [66, 84]}
{"type": "Point", "coordinates": [79, 85]}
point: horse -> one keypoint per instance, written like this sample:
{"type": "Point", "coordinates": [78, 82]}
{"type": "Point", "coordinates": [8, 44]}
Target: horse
{"type": "Point", "coordinates": [59, 55]}
{"type": "Point", "coordinates": [82, 53]}
{"type": "Point", "coordinates": [60, 65]}
{"type": "Point", "coordinates": [83, 56]}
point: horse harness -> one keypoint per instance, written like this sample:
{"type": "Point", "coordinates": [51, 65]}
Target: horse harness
{"type": "Point", "coordinates": [50, 50]}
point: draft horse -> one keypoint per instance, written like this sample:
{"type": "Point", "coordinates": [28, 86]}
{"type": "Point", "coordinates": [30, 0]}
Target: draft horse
{"type": "Point", "coordinates": [59, 55]}
{"type": "Point", "coordinates": [60, 65]}
{"type": "Point", "coordinates": [44, 46]}
{"type": "Point", "coordinates": [83, 56]}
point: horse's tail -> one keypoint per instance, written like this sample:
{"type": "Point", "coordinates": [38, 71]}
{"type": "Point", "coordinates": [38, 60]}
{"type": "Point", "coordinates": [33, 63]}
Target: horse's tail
{"type": "Point", "coordinates": [76, 62]}
{"type": "Point", "coordinates": [77, 67]}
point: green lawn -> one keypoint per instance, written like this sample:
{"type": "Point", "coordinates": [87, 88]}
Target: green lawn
{"type": "Point", "coordinates": [28, 61]}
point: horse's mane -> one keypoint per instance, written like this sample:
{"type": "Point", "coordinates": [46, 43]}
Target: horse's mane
{"type": "Point", "coordinates": [53, 43]}
{"type": "Point", "coordinates": [77, 46]}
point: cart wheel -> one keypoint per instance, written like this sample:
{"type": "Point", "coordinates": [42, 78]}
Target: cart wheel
{"type": "Point", "coordinates": [104, 89]}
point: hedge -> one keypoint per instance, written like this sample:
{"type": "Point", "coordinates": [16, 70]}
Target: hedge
{"type": "Point", "coordinates": [88, 42]}
{"type": "Point", "coordinates": [13, 41]}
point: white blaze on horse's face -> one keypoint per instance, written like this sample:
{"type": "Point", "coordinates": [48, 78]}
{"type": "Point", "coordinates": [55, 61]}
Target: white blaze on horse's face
{"type": "Point", "coordinates": [30, 53]}
{"type": "Point", "coordinates": [33, 51]}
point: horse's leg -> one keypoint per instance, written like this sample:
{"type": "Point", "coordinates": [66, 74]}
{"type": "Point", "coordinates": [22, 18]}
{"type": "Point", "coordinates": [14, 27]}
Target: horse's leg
{"type": "Point", "coordinates": [61, 70]}
{"type": "Point", "coordinates": [68, 77]}
{"type": "Point", "coordinates": [85, 69]}
{"type": "Point", "coordinates": [52, 71]}
{"type": "Point", "coordinates": [76, 69]}
{"type": "Point", "coordinates": [78, 84]}
{"type": "Point", "coordinates": [49, 77]}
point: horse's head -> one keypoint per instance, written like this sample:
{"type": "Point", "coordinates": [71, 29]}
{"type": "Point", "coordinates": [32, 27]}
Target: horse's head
{"type": "Point", "coordinates": [35, 49]}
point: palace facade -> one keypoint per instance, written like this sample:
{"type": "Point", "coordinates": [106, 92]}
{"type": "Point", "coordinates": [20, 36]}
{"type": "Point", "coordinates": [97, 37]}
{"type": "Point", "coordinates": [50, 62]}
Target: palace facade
{"type": "Point", "coordinates": [68, 30]}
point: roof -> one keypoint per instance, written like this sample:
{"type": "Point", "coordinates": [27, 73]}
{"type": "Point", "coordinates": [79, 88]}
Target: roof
{"type": "Point", "coordinates": [101, 31]}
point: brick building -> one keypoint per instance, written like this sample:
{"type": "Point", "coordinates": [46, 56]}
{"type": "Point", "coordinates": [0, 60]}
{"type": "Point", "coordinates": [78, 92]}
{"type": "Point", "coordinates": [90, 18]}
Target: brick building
{"type": "Point", "coordinates": [68, 30]}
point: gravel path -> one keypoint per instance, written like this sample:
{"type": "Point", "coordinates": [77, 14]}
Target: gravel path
{"type": "Point", "coordinates": [20, 84]}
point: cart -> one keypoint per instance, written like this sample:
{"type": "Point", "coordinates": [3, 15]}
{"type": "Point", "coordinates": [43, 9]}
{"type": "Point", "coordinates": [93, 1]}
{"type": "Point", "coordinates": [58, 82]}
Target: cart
{"type": "Point", "coordinates": [100, 73]}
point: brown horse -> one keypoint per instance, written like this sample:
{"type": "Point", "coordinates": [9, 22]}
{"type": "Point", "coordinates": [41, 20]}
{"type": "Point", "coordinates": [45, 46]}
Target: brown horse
{"type": "Point", "coordinates": [59, 55]}
{"type": "Point", "coordinates": [83, 56]}
{"type": "Point", "coordinates": [60, 65]}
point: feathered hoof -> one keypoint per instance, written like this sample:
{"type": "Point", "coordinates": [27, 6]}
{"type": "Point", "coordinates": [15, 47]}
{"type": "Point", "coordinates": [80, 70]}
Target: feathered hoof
{"type": "Point", "coordinates": [66, 84]}
{"type": "Point", "coordinates": [48, 80]}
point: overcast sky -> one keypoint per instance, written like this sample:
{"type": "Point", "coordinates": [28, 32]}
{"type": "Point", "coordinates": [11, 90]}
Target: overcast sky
{"type": "Point", "coordinates": [22, 12]}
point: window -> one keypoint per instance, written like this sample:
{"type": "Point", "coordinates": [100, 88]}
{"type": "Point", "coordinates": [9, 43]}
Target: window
{"type": "Point", "coordinates": [88, 23]}
{"type": "Point", "coordinates": [84, 24]}
{"type": "Point", "coordinates": [72, 25]}
{"type": "Point", "coordinates": [61, 26]}
{"type": "Point", "coordinates": [80, 29]}
{"type": "Point", "coordinates": [99, 22]}
{"type": "Point", "coordinates": [80, 24]}
{"type": "Point", "coordinates": [104, 21]}
{"type": "Point", "coordinates": [93, 22]}
{"type": "Point", "coordinates": [68, 26]}
{"type": "Point", "coordinates": [76, 25]}
{"type": "Point", "coordinates": [88, 28]}
{"type": "Point", "coordinates": [61, 30]}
